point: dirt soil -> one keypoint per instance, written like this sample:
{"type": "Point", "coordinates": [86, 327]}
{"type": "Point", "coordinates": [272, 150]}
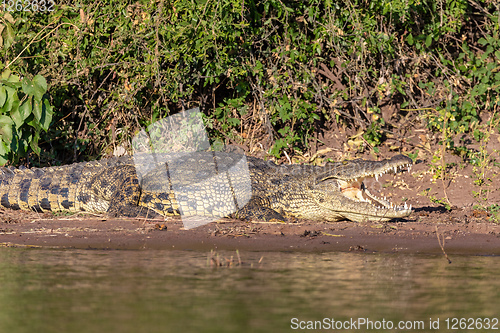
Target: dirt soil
{"type": "Point", "coordinates": [460, 232]}
{"type": "Point", "coordinates": [435, 227]}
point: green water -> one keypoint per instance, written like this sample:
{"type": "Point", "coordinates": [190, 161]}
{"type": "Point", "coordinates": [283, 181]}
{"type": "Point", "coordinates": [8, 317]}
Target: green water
{"type": "Point", "coordinates": [175, 291]}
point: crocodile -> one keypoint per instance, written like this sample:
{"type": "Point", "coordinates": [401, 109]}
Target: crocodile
{"type": "Point", "coordinates": [241, 187]}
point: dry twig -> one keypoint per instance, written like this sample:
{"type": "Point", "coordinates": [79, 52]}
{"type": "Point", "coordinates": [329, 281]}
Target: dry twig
{"type": "Point", "coordinates": [441, 244]}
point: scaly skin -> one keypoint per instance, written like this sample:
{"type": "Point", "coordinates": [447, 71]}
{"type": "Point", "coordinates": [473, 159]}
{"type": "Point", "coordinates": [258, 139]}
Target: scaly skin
{"type": "Point", "coordinates": [205, 184]}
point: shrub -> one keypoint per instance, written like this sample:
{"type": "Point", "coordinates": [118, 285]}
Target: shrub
{"type": "Point", "coordinates": [276, 71]}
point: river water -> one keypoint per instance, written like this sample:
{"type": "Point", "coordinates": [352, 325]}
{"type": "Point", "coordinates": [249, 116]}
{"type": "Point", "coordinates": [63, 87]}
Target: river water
{"type": "Point", "coordinates": [44, 290]}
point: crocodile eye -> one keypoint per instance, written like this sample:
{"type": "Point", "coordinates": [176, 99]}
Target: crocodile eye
{"type": "Point", "coordinates": [345, 162]}
{"type": "Point", "coordinates": [275, 181]}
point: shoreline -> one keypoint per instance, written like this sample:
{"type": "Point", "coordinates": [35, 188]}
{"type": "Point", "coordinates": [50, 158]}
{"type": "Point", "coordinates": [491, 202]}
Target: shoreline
{"type": "Point", "coordinates": [474, 237]}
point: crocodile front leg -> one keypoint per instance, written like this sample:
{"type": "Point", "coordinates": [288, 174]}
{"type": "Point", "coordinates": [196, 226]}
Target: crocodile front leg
{"type": "Point", "coordinates": [255, 210]}
{"type": "Point", "coordinates": [120, 186]}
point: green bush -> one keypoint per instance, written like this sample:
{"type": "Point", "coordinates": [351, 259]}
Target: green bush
{"type": "Point", "coordinates": [24, 112]}
{"type": "Point", "coordinates": [24, 108]}
{"type": "Point", "coordinates": [278, 70]}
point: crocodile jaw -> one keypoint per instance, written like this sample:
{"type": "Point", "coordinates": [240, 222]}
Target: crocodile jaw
{"type": "Point", "coordinates": [374, 208]}
{"type": "Point", "coordinates": [366, 206]}
{"type": "Point", "coordinates": [348, 198]}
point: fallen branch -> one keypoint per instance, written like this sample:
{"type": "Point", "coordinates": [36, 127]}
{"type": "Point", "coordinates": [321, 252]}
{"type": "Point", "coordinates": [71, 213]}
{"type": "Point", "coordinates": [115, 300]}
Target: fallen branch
{"type": "Point", "coordinates": [441, 244]}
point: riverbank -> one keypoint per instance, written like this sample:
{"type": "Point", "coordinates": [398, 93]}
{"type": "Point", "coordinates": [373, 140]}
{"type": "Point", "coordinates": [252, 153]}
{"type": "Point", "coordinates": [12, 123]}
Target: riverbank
{"type": "Point", "coordinates": [459, 231]}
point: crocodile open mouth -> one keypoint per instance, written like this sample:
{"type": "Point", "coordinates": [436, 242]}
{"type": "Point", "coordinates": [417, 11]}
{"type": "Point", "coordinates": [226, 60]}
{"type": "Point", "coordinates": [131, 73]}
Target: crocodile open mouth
{"type": "Point", "coordinates": [356, 190]}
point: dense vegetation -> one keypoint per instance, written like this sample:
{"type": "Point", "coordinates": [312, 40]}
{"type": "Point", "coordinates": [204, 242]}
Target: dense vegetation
{"type": "Point", "coordinates": [273, 71]}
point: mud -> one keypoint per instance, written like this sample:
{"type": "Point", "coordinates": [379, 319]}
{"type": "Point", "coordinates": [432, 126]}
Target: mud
{"type": "Point", "coordinates": [459, 231]}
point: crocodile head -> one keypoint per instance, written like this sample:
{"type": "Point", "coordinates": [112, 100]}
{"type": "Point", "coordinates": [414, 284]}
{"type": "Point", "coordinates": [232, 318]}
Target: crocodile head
{"type": "Point", "coordinates": [340, 190]}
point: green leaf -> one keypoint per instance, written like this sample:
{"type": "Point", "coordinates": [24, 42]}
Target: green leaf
{"type": "Point", "coordinates": [6, 128]}
{"type": "Point", "coordinates": [3, 160]}
{"type": "Point", "coordinates": [5, 120]}
{"type": "Point", "coordinates": [8, 35]}
{"type": "Point", "coordinates": [14, 79]}
{"type": "Point", "coordinates": [37, 109]}
{"type": "Point", "coordinates": [284, 131]}
{"type": "Point", "coordinates": [467, 105]}
{"type": "Point", "coordinates": [17, 118]}
{"type": "Point", "coordinates": [25, 109]}
{"type": "Point", "coordinates": [497, 79]}
{"type": "Point", "coordinates": [409, 39]}
{"type": "Point", "coordinates": [28, 87]}
{"type": "Point", "coordinates": [11, 98]}
{"type": "Point", "coordinates": [34, 145]}
{"type": "Point", "coordinates": [4, 150]}
{"type": "Point", "coordinates": [15, 107]}
{"type": "Point", "coordinates": [3, 96]}
{"type": "Point", "coordinates": [482, 41]}
{"type": "Point", "coordinates": [5, 74]}
{"type": "Point", "coordinates": [47, 115]}
{"type": "Point", "coordinates": [39, 86]}
{"type": "Point", "coordinates": [1, 38]}
{"type": "Point", "coordinates": [428, 40]}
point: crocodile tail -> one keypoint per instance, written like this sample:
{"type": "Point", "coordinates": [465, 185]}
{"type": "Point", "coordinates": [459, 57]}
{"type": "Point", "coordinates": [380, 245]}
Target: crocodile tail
{"type": "Point", "coordinates": [44, 189]}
